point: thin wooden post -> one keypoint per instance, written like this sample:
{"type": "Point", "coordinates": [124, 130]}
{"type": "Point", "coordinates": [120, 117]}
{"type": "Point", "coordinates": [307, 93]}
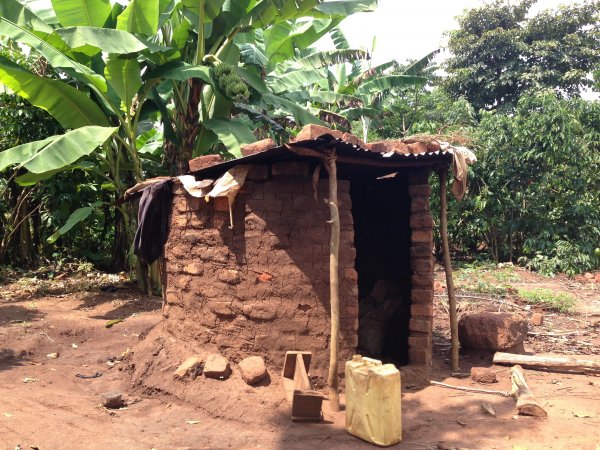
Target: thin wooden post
{"type": "Point", "coordinates": [334, 247]}
{"type": "Point", "coordinates": [448, 269]}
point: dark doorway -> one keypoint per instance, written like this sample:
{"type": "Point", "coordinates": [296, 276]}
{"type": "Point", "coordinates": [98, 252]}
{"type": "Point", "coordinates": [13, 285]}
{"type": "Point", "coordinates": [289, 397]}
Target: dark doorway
{"type": "Point", "coordinates": [381, 213]}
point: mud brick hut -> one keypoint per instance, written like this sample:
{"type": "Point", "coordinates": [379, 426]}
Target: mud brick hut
{"type": "Point", "coordinates": [255, 279]}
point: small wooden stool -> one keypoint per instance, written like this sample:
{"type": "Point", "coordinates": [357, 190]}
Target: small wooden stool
{"type": "Point", "coordinates": [299, 390]}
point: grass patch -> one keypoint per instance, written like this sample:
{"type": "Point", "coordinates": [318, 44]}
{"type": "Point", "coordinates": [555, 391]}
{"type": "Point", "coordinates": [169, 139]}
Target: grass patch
{"type": "Point", "coordinates": [548, 299]}
{"type": "Point", "coordinates": [485, 277]}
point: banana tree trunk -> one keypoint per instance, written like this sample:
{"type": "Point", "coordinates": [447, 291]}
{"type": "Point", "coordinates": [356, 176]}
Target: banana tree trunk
{"type": "Point", "coordinates": [188, 117]}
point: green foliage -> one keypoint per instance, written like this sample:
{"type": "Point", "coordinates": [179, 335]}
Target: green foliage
{"type": "Point", "coordinates": [109, 74]}
{"type": "Point", "coordinates": [485, 278]}
{"type": "Point", "coordinates": [422, 110]}
{"type": "Point", "coordinates": [533, 193]}
{"type": "Point", "coordinates": [500, 52]}
{"type": "Point", "coordinates": [548, 299]}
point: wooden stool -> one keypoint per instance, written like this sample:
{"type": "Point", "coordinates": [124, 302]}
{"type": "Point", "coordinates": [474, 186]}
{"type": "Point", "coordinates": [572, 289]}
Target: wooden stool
{"type": "Point", "coordinates": [299, 390]}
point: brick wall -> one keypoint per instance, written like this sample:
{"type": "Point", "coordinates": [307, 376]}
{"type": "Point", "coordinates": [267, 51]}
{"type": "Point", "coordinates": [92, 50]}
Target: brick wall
{"type": "Point", "coordinates": [421, 311]}
{"type": "Point", "coordinates": [263, 286]}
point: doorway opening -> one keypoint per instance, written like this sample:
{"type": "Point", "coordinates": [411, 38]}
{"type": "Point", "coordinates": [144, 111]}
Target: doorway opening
{"type": "Point", "coordinates": [382, 238]}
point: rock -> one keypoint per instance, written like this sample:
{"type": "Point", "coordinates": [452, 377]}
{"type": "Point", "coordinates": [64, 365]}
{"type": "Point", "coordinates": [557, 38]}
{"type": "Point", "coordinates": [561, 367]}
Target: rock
{"type": "Point", "coordinates": [112, 400]}
{"type": "Point", "coordinates": [597, 277]}
{"type": "Point", "coordinates": [264, 277]}
{"type": "Point", "coordinates": [229, 276]}
{"type": "Point", "coordinates": [259, 311]}
{"type": "Point", "coordinates": [537, 319]}
{"type": "Point", "coordinates": [253, 369]}
{"type": "Point", "coordinates": [217, 366]}
{"type": "Point", "coordinates": [492, 331]}
{"type": "Point", "coordinates": [193, 269]}
{"type": "Point", "coordinates": [483, 375]}
{"type": "Point", "coordinates": [588, 276]}
{"type": "Point", "coordinates": [191, 368]}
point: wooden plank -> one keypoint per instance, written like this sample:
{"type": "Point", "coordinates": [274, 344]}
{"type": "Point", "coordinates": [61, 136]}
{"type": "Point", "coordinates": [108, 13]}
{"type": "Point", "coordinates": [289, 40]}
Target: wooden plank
{"type": "Point", "coordinates": [301, 381]}
{"type": "Point", "coordinates": [289, 364]}
{"type": "Point", "coordinates": [547, 362]}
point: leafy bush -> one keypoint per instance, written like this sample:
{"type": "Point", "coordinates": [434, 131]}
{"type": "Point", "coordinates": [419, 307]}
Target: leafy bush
{"type": "Point", "coordinates": [533, 192]}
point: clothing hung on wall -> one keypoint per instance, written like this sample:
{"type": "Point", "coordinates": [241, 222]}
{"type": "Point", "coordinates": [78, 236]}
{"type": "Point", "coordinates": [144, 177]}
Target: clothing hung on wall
{"type": "Point", "coordinates": [153, 221]}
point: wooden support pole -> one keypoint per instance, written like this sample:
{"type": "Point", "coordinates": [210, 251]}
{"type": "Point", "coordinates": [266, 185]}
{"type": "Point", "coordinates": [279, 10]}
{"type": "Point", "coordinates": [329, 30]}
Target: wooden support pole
{"type": "Point", "coordinates": [448, 268]}
{"type": "Point", "coordinates": [334, 247]}
{"type": "Point", "coordinates": [526, 402]}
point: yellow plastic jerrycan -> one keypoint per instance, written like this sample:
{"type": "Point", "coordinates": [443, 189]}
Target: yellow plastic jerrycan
{"type": "Point", "coordinates": [373, 401]}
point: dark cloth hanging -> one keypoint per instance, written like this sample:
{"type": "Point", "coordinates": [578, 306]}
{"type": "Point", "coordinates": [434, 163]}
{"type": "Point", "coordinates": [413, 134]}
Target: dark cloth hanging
{"type": "Point", "coordinates": [153, 221]}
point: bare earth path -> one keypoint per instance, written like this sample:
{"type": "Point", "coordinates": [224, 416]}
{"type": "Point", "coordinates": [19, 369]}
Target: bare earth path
{"type": "Point", "coordinates": [44, 405]}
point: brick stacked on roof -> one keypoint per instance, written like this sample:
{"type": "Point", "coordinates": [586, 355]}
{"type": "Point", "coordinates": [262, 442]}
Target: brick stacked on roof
{"type": "Point", "coordinates": [202, 162]}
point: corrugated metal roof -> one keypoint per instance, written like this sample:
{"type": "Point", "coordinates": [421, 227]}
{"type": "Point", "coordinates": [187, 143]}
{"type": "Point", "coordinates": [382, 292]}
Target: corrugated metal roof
{"type": "Point", "coordinates": [347, 153]}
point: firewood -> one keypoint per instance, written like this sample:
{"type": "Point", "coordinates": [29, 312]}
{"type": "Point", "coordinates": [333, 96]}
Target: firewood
{"type": "Point", "coordinates": [547, 362]}
{"type": "Point", "coordinates": [526, 402]}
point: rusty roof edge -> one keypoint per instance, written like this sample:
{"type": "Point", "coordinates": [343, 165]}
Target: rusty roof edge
{"type": "Point", "coordinates": [326, 141]}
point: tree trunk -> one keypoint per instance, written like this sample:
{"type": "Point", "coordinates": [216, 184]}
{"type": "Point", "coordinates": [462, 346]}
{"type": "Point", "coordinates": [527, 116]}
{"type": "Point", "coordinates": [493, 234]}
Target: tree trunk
{"type": "Point", "coordinates": [332, 379]}
{"type": "Point", "coordinates": [189, 120]}
{"type": "Point", "coordinates": [448, 268]}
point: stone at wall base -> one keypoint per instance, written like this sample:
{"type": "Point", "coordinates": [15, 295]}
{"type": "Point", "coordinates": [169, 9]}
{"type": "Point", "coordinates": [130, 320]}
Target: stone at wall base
{"type": "Point", "coordinates": [253, 369]}
{"type": "Point", "coordinates": [217, 366]}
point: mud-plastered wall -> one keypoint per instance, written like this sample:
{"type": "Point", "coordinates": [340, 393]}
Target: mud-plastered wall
{"type": "Point", "coordinates": [261, 287]}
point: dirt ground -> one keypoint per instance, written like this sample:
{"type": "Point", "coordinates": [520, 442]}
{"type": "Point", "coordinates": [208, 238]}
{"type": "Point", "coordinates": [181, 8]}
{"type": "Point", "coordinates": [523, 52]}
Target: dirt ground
{"type": "Point", "coordinates": [44, 405]}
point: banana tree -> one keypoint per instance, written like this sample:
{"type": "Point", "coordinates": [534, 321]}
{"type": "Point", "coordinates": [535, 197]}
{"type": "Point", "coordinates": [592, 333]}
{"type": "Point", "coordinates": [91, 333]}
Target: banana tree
{"type": "Point", "coordinates": [377, 86]}
{"type": "Point", "coordinates": [340, 87]}
{"type": "Point", "coordinates": [217, 40]}
{"type": "Point", "coordinates": [98, 80]}
{"type": "Point", "coordinates": [123, 68]}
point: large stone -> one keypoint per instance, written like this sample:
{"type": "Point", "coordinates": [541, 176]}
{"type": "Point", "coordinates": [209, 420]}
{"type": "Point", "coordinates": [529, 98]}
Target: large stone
{"type": "Point", "coordinates": [112, 400]}
{"type": "Point", "coordinates": [217, 366]}
{"type": "Point", "coordinates": [190, 368]}
{"type": "Point", "coordinates": [483, 375]}
{"type": "Point", "coordinates": [253, 369]}
{"type": "Point", "coordinates": [492, 331]}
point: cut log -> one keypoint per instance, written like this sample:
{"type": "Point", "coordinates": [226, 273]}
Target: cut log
{"type": "Point", "coordinates": [526, 402]}
{"type": "Point", "coordinates": [547, 362]}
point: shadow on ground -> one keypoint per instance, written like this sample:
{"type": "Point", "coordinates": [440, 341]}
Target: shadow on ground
{"type": "Point", "coordinates": [443, 421]}
{"type": "Point", "coordinates": [13, 314]}
{"type": "Point", "coordinates": [125, 303]}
